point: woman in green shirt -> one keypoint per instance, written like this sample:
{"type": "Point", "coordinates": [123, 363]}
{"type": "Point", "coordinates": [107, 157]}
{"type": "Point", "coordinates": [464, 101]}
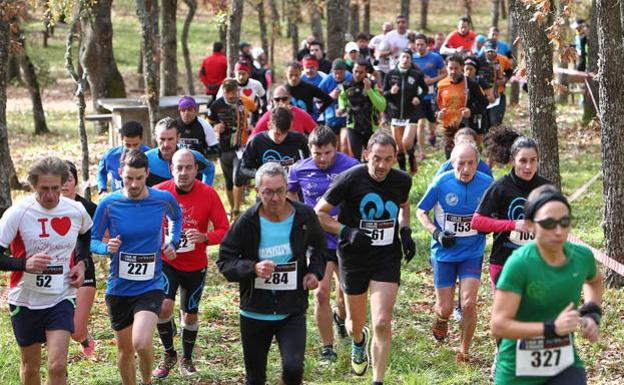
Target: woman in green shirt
{"type": "Point", "coordinates": [535, 306]}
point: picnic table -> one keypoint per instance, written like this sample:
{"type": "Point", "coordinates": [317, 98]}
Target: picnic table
{"type": "Point", "coordinates": [127, 109]}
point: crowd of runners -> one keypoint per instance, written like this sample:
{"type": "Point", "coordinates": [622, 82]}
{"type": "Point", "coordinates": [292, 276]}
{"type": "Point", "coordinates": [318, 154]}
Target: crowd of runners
{"type": "Point", "coordinates": [331, 210]}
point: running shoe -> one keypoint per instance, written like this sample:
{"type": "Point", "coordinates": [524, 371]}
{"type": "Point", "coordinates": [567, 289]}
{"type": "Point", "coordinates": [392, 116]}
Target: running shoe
{"type": "Point", "coordinates": [360, 359]}
{"type": "Point", "coordinates": [340, 324]}
{"type": "Point", "coordinates": [413, 169]}
{"type": "Point", "coordinates": [88, 346]}
{"type": "Point", "coordinates": [187, 368]}
{"type": "Point", "coordinates": [461, 357]}
{"type": "Point", "coordinates": [328, 354]}
{"type": "Point", "coordinates": [440, 328]}
{"type": "Point", "coordinates": [166, 364]}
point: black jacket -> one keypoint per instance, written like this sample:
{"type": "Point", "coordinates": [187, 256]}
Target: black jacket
{"type": "Point", "coordinates": [238, 255]}
{"type": "Point", "coordinates": [411, 84]}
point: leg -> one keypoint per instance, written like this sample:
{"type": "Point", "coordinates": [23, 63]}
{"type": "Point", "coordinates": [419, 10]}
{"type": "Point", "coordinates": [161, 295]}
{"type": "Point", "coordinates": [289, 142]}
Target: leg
{"type": "Point", "coordinates": [322, 308]}
{"type": "Point", "coordinates": [84, 302]}
{"type": "Point", "coordinates": [144, 327]}
{"type": "Point", "coordinates": [409, 136]}
{"type": "Point", "coordinates": [190, 297]}
{"type": "Point", "coordinates": [125, 356]}
{"type": "Point", "coordinates": [238, 198]}
{"type": "Point", "coordinates": [570, 376]}
{"type": "Point", "coordinates": [356, 314]}
{"type": "Point", "coordinates": [355, 141]}
{"type": "Point", "coordinates": [469, 290]}
{"type": "Point", "coordinates": [397, 134]}
{"type": "Point", "coordinates": [383, 297]}
{"type": "Point", "coordinates": [30, 364]}
{"type": "Point", "coordinates": [345, 144]}
{"type": "Point", "coordinates": [256, 337]}
{"type": "Point", "coordinates": [340, 297]}
{"type": "Point", "coordinates": [165, 326]}
{"type": "Point", "coordinates": [422, 124]}
{"type": "Point", "coordinates": [291, 339]}
{"type": "Point", "coordinates": [58, 346]}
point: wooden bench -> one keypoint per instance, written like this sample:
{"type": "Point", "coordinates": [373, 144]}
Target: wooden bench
{"type": "Point", "coordinates": [99, 117]}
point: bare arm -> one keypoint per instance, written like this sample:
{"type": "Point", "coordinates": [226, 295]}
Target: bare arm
{"type": "Point", "coordinates": [404, 215]}
{"type": "Point", "coordinates": [504, 325]}
{"type": "Point", "coordinates": [423, 217]}
{"type": "Point", "coordinates": [592, 290]}
{"type": "Point", "coordinates": [328, 223]}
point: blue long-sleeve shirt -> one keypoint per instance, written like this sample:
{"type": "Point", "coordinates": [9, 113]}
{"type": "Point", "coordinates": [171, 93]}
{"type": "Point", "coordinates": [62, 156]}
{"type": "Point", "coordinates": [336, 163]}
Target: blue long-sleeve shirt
{"type": "Point", "coordinates": [138, 223]}
{"type": "Point", "coordinates": [109, 165]}
{"type": "Point", "coordinates": [328, 85]}
{"type": "Point", "coordinates": [160, 169]}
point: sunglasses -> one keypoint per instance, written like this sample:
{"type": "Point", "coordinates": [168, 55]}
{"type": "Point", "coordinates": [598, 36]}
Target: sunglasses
{"type": "Point", "coordinates": [551, 223]}
{"type": "Point", "coordinates": [281, 99]}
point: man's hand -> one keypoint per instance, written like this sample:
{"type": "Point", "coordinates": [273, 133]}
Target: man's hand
{"type": "Point", "coordinates": [219, 128]}
{"type": "Point", "coordinates": [465, 112]}
{"type": "Point", "coordinates": [169, 251]}
{"type": "Point", "coordinates": [429, 81]}
{"type": "Point", "coordinates": [394, 89]}
{"type": "Point", "coordinates": [38, 262]}
{"type": "Point", "coordinates": [265, 268]}
{"type": "Point", "coordinates": [195, 236]}
{"type": "Point", "coordinates": [114, 244]}
{"type": "Point", "coordinates": [341, 111]}
{"type": "Point", "coordinates": [367, 84]}
{"type": "Point", "coordinates": [335, 93]}
{"type": "Point", "coordinates": [77, 274]}
{"type": "Point", "coordinates": [310, 282]}
{"type": "Point", "coordinates": [415, 101]}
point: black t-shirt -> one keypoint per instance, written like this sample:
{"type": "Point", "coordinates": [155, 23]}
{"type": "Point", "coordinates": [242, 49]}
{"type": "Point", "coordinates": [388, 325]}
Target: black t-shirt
{"type": "Point", "coordinates": [262, 149]}
{"type": "Point", "coordinates": [303, 96]}
{"type": "Point", "coordinates": [192, 135]}
{"type": "Point", "coordinates": [505, 199]}
{"type": "Point", "coordinates": [89, 206]}
{"type": "Point", "coordinates": [373, 207]}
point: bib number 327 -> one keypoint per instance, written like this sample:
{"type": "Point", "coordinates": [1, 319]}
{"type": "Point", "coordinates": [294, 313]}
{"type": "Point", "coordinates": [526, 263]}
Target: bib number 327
{"type": "Point", "coordinates": [136, 267]}
{"type": "Point", "coordinates": [542, 357]}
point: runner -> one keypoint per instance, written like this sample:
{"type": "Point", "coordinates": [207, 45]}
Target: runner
{"type": "Point", "coordinates": [275, 251]}
{"type": "Point", "coordinates": [200, 206]}
{"type": "Point", "coordinates": [332, 85]}
{"type": "Point", "coordinates": [44, 231]}
{"type": "Point", "coordinates": [214, 70]}
{"type": "Point", "coordinates": [456, 249]}
{"type": "Point", "coordinates": [432, 65]}
{"type": "Point", "coordinates": [249, 88]}
{"type": "Point", "coordinates": [86, 293]}
{"type": "Point", "coordinates": [502, 209]}
{"type": "Point", "coordinates": [229, 115]}
{"type": "Point", "coordinates": [311, 74]}
{"type": "Point", "coordinates": [397, 39]}
{"type": "Point", "coordinates": [130, 136]}
{"type": "Point", "coordinates": [473, 71]}
{"type": "Point", "coordinates": [373, 230]}
{"type": "Point", "coordinates": [382, 50]}
{"type": "Point", "coordinates": [503, 72]}
{"type": "Point", "coordinates": [167, 137]}
{"type": "Point", "coordinates": [302, 94]}
{"type": "Point", "coordinates": [362, 102]}
{"type": "Point", "coordinates": [302, 122]}
{"type": "Point", "coordinates": [316, 49]}
{"type": "Point", "coordinates": [310, 179]}
{"type": "Point", "coordinates": [134, 293]}
{"type": "Point", "coordinates": [404, 89]}
{"type": "Point", "coordinates": [195, 133]}
{"type": "Point", "coordinates": [460, 41]}
{"type": "Point", "coordinates": [465, 134]}
{"type": "Point", "coordinates": [534, 309]}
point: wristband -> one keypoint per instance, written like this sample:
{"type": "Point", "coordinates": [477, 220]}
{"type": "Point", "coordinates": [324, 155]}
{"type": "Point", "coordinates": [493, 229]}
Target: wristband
{"type": "Point", "coordinates": [549, 329]}
{"type": "Point", "coordinates": [342, 227]}
{"type": "Point", "coordinates": [591, 310]}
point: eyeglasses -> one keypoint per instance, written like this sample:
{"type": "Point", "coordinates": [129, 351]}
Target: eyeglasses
{"type": "Point", "coordinates": [281, 98]}
{"type": "Point", "coordinates": [268, 193]}
{"type": "Point", "coordinates": [551, 223]}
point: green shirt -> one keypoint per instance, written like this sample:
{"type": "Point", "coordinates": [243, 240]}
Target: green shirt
{"type": "Point", "coordinates": [545, 290]}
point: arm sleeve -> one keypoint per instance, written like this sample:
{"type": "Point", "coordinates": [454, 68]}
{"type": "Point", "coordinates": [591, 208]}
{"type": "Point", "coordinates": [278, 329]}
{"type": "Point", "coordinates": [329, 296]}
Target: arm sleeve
{"type": "Point", "coordinates": [7, 263]}
{"type": "Point", "coordinates": [100, 225]}
{"type": "Point", "coordinates": [379, 102]}
{"type": "Point", "coordinates": [337, 192]}
{"type": "Point", "coordinates": [430, 198]}
{"type": "Point", "coordinates": [83, 249]}
{"type": "Point", "coordinates": [209, 134]}
{"type": "Point", "coordinates": [342, 99]}
{"type": "Point", "coordinates": [513, 276]}
{"type": "Point", "coordinates": [293, 180]}
{"type": "Point", "coordinates": [307, 122]}
{"type": "Point", "coordinates": [102, 174]}
{"type": "Point", "coordinates": [230, 260]}
{"type": "Point", "coordinates": [248, 164]}
{"type": "Point", "coordinates": [316, 248]}
{"type": "Point", "coordinates": [174, 214]}
{"type": "Point", "coordinates": [218, 218]}
{"type": "Point", "coordinates": [208, 171]}
{"type": "Point", "coordinates": [486, 224]}
{"type": "Point", "coordinates": [325, 98]}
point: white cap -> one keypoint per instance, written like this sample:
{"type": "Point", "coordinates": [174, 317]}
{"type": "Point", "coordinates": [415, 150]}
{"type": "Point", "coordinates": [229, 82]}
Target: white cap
{"type": "Point", "coordinates": [351, 46]}
{"type": "Point", "coordinates": [256, 52]}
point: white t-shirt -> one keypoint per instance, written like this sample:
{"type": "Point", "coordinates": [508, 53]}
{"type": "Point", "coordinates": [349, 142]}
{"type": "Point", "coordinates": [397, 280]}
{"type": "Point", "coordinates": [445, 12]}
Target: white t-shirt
{"type": "Point", "coordinates": [30, 229]}
{"type": "Point", "coordinates": [399, 41]}
{"type": "Point", "coordinates": [253, 90]}
{"type": "Point", "coordinates": [209, 134]}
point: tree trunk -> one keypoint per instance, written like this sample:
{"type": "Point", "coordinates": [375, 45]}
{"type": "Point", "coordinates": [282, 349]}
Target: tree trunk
{"type": "Point", "coordinates": [424, 13]}
{"type": "Point", "coordinates": [366, 16]}
{"type": "Point", "coordinates": [147, 11]}
{"type": "Point", "coordinates": [563, 95]}
{"type": "Point", "coordinates": [233, 33]}
{"type": "Point", "coordinates": [168, 49]}
{"type": "Point", "coordinates": [494, 11]}
{"type": "Point", "coordinates": [81, 82]}
{"type": "Point", "coordinates": [335, 28]}
{"type": "Point", "coordinates": [276, 30]}
{"type": "Point", "coordinates": [5, 155]}
{"type": "Point", "coordinates": [354, 18]}
{"type": "Point", "coordinates": [13, 68]}
{"type": "Point", "coordinates": [97, 58]}
{"type": "Point", "coordinates": [315, 20]}
{"type": "Point", "coordinates": [30, 80]}
{"type": "Point", "coordinates": [192, 6]}
{"type": "Point", "coordinates": [512, 32]}
{"type": "Point", "coordinates": [611, 85]}
{"type": "Point", "coordinates": [264, 40]}
{"type": "Point", "coordinates": [294, 12]}
{"type": "Point", "coordinates": [405, 9]}
{"type": "Point", "coordinates": [539, 68]}
{"type": "Point", "coordinates": [503, 10]}
{"type": "Point", "coordinates": [589, 111]}
{"type": "Point", "coordinates": [468, 10]}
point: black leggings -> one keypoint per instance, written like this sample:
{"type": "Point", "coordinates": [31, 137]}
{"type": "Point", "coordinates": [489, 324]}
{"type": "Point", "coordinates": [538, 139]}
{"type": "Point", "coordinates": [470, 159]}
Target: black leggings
{"type": "Point", "coordinates": [257, 336]}
{"type": "Point", "coordinates": [358, 141]}
{"type": "Point", "coordinates": [570, 376]}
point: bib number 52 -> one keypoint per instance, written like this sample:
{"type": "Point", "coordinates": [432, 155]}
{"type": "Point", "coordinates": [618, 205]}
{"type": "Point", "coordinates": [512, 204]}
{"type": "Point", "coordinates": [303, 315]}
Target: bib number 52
{"type": "Point", "coordinates": [43, 281]}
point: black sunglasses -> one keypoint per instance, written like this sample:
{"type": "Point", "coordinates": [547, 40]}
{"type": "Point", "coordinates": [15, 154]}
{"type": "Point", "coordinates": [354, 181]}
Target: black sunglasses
{"type": "Point", "coordinates": [281, 98]}
{"type": "Point", "coordinates": [551, 223]}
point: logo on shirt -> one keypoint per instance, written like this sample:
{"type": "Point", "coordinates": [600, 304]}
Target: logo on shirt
{"type": "Point", "coordinates": [515, 210]}
{"type": "Point", "coordinates": [373, 207]}
{"type": "Point", "coordinates": [451, 199]}
{"type": "Point", "coordinates": [274, 156]}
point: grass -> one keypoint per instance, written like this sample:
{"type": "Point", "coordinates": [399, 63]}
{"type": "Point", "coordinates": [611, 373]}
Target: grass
{"type": "Point", "coordinates": [416, 357]}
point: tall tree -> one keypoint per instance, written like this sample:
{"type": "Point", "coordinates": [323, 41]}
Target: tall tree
{"type": "Point", "coordinates": [366, 16]}
{"type": "Point", "coordinates": [294, 16]}
{"type": "Point", "coordinates": [147, 11]}
{"type": "Point", "coordinates": [5, 154]}
{"type": "Point", "coordinates": [494, 12]}
{"type": "Point", "coordinates": [424, 13]}
{"type": "Point", "coordinates": [315, 20]}
{"type": "Point", "coordinates": [468, 10]}
{"type": "Point", "coordinates": [190, 75]}
{"type": "Point", "coordinates": [235, 19]}
{"type": "Point", "coordinates": [276, 30]}
{"type": "Point", "coordinates": [514, 86]}
{"type": "Point", "coordinates": [405, 9]}
{"type": "Point", "coordinates": [354, 17]}
{"type": "Point", "coordinates": [591, 92]}
{"type": "Point", "coordinates": [539, 69]}
{"type": "Point", "coordinates": [264, 40]}
{"type": "Point", "coordinates": [96, 55]}
{"type": "Point", "coordinates": [611, 85]}
{"type": "Point", "coordinates": [336, 28]}
{"type": "Point", "coordinates": [168, 49]}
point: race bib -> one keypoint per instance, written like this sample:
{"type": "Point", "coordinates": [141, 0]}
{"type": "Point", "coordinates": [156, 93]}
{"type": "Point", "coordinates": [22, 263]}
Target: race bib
{"type": "Point", "coordinates": [541, 357]}
{"type": "Point", "coordinates": [118, 184]}
{"type": "Point", "coordinates": [239, 153]}
{"type": "Point", "coordinates": [431, 89]}
{"type": "Point", "coordinates": [287, 162]}
{"type": "Point", "coordinates": [520, 237]}
{"type": "Point", "coordinates": [459, 225]}
{"type": "Point", "coordinates": [136, 267]}
{"type": "Point", "coordinates": [185, 245]}
{"type": "Point", "coordinates": [400, 122]}
{"type": "Point", "coordinates": [381, 232]}
{"type": "Point", "coordinates": [49, 281]}
{"type": "Point", "coordinates": [284, 277]}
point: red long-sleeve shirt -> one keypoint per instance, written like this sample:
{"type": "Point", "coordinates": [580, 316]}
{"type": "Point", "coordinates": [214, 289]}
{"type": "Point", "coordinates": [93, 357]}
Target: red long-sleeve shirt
{"type": "Point", "coordinates": [212, 72]}
{"type": "Point", "coordinates": [486, 224]}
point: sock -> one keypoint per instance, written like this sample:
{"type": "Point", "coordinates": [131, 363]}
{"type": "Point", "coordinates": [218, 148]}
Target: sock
{"type": "Point", "coordinates": [165, 330]}
{"type": "Point", "coordinates": [85, 343]}
{"type": "Point", "coordinates": [377, 383]}
{"type": "Point", "coordinates": [411, 158]}
{"type": "Point", "coordinates": [189, 335]}
{"type": "Point", "coordinates": [359, 344]}
{"type": "Point", "coordinates": [401, 160]}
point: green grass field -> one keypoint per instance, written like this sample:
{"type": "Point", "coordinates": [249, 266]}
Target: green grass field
{"type": "Point", "coordinates": [416, 357]}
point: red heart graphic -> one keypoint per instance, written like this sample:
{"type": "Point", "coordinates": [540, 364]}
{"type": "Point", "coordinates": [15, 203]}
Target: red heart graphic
{"type": "Point", "coordinates": [61, 225]}
{"type": "Point", "coordinates": [247, 91]}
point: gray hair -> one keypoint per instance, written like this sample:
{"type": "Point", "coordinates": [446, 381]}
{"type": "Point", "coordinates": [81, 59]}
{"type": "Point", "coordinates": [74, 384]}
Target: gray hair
{"type": "Point", "coordinates": [165, 124]}
{"type": "Point", "coordinates": [272, 169]}
{"type": "Point", "coordinates": [50, 165]}
{"type": "Point", "coordinates": [459, 147]}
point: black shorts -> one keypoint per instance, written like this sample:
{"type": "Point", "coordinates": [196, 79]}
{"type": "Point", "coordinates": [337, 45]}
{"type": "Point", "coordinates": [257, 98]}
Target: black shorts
{"type": "Point", "coordinates": [89, 279]}
{"type": "Point", "coordinates": [356, 278]}
{"type": "Point", "coordinates": [229, 163]}
{"type": "Point", "coordinates": [428, 110]}
{"type": "Point", "coordinates": [121, 309]}
{"type": "Point", "coordinates": [29, 326]}
{"type": "Point", "coordinates": [191, 285]}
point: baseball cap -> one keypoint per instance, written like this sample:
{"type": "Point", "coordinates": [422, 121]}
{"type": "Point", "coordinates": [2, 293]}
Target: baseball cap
{"type": "Point", "coordinates": [339, 64]}
{"type": "Point", "coordinates": [256, 52]}
{"type": "Point", "coordinates": [187, 102]}
{"type": "Point", "coordinates": [351, 46]}
{"type": "Point", "coordinates": [243, 44]}
{"type": "Point", "coordinates": [489, 45]}
{"type": "Point", "coordinates": [481, 38]}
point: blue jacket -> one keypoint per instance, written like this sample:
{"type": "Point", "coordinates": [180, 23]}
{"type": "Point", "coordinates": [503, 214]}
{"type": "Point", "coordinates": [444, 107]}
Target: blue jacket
{"type": "Point", "coordinates": [160, 169]}
{"type": "Point", "coordinates": [109, 165]}
{"type": "Point", "coordinates": [327, 85]}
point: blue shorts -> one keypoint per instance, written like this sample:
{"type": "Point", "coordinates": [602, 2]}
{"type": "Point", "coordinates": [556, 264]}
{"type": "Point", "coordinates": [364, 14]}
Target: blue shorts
{"type": "Point", "coordinates": [445, 274]}
{"type": "Point", "coordinates": [29, 326]}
